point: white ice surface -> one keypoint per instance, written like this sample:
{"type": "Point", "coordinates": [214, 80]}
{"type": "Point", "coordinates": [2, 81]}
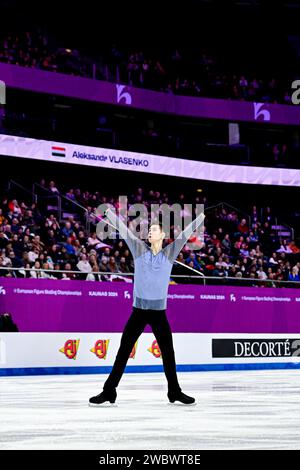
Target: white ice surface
{"type": "Point", "coordinates": [235, 410]}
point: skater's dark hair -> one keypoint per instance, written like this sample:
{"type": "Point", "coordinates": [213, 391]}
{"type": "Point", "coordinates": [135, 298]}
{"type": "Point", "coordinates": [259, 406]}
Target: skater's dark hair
{"type": "Point", "coordinates": [157, 222]}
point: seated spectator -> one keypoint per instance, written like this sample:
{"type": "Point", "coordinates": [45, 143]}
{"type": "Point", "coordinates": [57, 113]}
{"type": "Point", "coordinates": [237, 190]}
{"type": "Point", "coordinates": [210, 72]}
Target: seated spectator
{"type": "Point", "coordinates": [226, 243]}
{"type": "Point", "coordinates": [67, 230]}
{"type": "Point", "coordinates": [122, 266]}
{"type": "Point", "coordinates": [53, 188]}
{"type": "Point", "coordinates": [294, 275]}
{"type": "Point", "coordinates": [68, 245]}
{"type": "Point", "coordinates": [93, 241]}
{"type": "Point", "coordinates": [34, 272]}
{"type": "Point", "coordinates": [192, 261]}
{"type": "Point", "coordinates": [242, 227]}
{"type": "Point", "coordinates": [244, 250]}
{"type": "Point", "coordinates": [69, 275]}
{"type": "Point", "coordinates": [84, 265]}
{"type": "Point", "coordinates": [112, 265]}
{"type": "Point", "coordinates": [93, 275]}
{"type": "Point", "coordinates": [70, 195]}
{"type": "Point", "coordinates": [261, 274]}
{"type": "Point", "coordinates": [284, 248]}
{"type": "Point", "coordinates": [104, 264]}
{"type": "Point", "coordinates": [273, 260]}
{"type": "Point", "coordinates": [37, 243]}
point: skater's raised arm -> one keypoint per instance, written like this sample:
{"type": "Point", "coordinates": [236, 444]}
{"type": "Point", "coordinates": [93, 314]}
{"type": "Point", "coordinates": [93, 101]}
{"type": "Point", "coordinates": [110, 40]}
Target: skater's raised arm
{"type": "Point", "coordinates": [173, 249]}
{"type": "Point", "coordinates": [135, 244]}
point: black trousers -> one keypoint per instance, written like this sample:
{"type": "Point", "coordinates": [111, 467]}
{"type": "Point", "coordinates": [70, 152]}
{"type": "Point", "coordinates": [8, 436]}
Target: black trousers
{"type": "Point", "coordinates": [134, 327]}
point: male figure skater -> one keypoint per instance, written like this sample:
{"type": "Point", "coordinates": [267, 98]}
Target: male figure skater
{"type": "Point", "coordinates": [153, 266]}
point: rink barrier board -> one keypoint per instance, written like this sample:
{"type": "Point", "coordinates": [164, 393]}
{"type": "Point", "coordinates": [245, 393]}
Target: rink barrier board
{"type": "Point", "coordinates": [147, 369]}
{"type": "Point", "coordinates": [42, 305]}
{"type": "Point", "coordinates": [84, 353]}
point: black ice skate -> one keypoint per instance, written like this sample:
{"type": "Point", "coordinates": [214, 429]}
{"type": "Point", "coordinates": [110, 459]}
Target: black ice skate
{"type": "Point", "coordinates": [182, 398]}
{"type": "Point", "coordinates": [103, 397]}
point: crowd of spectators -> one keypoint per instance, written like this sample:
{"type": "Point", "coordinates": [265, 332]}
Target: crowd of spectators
{"type": "Point", "coordinates": [38, 245]}
{"type": "Point", "coordinates": [198, 75]}
{"type": "Point", "coordinates": [181, 71]}
{"type": "Point", "coordinates": [33, 49]}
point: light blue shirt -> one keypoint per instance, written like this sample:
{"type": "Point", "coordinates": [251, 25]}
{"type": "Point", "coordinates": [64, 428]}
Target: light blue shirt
{"type": "Point", "coordinates": [152, 272]}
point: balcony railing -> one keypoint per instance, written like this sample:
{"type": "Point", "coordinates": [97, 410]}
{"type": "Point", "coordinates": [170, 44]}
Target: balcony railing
{"type": "Point", "coordinates": [181, 278]}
